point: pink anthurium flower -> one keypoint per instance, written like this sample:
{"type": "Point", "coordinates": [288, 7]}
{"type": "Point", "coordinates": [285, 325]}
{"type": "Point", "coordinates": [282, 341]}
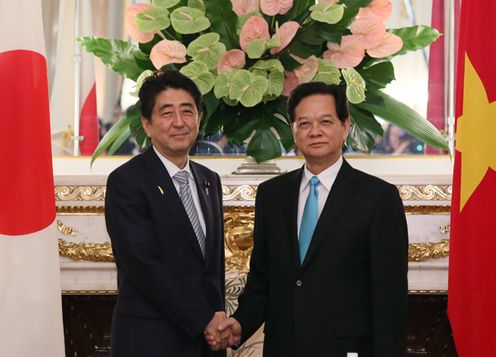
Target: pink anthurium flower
{"type": "Point", "coordinates": [254, 27]}
{"type": "Point", "coordinates": [130, 23]}
{"type": "Point", "coordinates": [290, 83]}
{"type": "Point", "coordinates": [389, 46]}
{"type": "Point", "coordinates": [370, 32]}
{"type": "Point", "coordinates": [348, 54]}
{"type": "Point", "coordinates": [302, 74]}
{"type": "Point", "coordinates": [274, 7]}
{"type": "Point", "coordinates": [307, 70]}
{"type": "Point", "coordinates": [166, 52]}
{"type": "Point", "coordinates": [285, 33]}
{"type": "Point", "coordinates": [232, 59]}
{"type": "Point", "coordinates": [243, 7]}
{"type": "Point", "coordinates": [378, 9]}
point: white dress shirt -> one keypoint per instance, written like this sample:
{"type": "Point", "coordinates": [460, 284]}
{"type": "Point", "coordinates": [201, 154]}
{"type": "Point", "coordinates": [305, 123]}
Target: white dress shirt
{"type": "Point", "coordinates": [172, 169]}
{"type": "Point", "coordinates": [326, 178]}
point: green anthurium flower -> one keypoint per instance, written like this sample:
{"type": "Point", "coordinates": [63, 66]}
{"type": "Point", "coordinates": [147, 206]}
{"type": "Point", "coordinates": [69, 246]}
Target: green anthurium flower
{"type": "Point", "coordinates": [273, 42]}
{"type": "Point", "coordinates": [247, 88]}
{"type": "Point", "coordinates": [187, 20]}
{"type": "Point", "coordinates": [355, 85]}
{"type": "Point", "coordinates": [276, 83]}
{"type": "Point", "coordinates": [140, 80]}
{"type": "Point", "coordinates": [328, 13]}
{"type": "Point", "coordinates": [207, 49]}
{"type": "Point", "coordinates": [197, 4]}
{"type": "Point", "coordinates": [256, 48]}
{"type": "Point", "coordinates": [327, 73]}
{"type": "Point", "coordinates": [165, 3]}
{"type": "Point", "coordinates": [271, 65]}
{"type": "Point", "coordinates": [153, 19]}
{"type": "Point", "coordinates": [198, 72]}
{"type": "Point", "coordinates": [222, 83]}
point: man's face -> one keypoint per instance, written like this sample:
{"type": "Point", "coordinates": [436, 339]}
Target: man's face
{"type": "Point", "coordinates": [318, 132]}
{"type": "Point", "coordinates": [174, 123]}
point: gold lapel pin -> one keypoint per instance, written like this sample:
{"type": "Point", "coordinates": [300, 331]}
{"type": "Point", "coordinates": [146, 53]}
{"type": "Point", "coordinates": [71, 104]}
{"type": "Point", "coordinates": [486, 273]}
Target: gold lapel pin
{"type": "Point", "coordinates": [161, 190]}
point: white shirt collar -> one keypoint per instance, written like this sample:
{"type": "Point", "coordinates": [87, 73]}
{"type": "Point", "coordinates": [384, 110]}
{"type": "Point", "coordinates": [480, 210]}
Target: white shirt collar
{"type": "Point", "coordinates": [171, 168]}
{"type": "Point", "coordinates": [326, 177]}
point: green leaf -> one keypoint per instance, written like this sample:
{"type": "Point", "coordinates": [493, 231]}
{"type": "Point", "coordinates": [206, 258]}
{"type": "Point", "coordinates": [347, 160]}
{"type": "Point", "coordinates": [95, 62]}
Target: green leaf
{"type": "Point", "coordinates": [264, 146]}
{"type": "Point", "coordinates": [415, 37]}
{"type": "Point", "coordinates": [327, 73]}
{"type": "Point", "coordinates": [207, 49]}
{"type": "Point", "coordinates": [379, 75]}
{"type": "Point", "coordinates": [197, 4]}
{"type": "Point", "coordinates": [247, 88]}
{"type": "Point", "coordinates": [198, 72]}
{"type": "Point", "coordinates": [364, 129]}
{"type": "Point", "coordinates": [115, 132]}
{"type": "Point", "coordinates": [119, 55]}
{"type": "Point", "coordinates": [406, 118]}
{"type": "Point", "coordinates": [224, 21]}
{"type": "Point", "coordinates": [327, 13]}
{"type": "Point", "coordinates": [211, 123]}
{"type": "Point", "coordinates": [153, 19]}
{"type": "Point", "coordinates": [166, 4]}
{"type": "Point", "coordinates": [186, 20]}
{"type": "Point", "coordinates": [355, 85]}
{"type": "Point", "coordinates": [255, 48]}
{"type": "Point", "coordinates": [126, 134]}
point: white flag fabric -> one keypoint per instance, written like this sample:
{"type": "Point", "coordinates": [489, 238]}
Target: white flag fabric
{"type": "Point", "coordinates": [30, 299]}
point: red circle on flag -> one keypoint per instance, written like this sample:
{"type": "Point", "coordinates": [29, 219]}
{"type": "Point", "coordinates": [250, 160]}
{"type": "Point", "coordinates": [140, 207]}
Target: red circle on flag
{"type": "Point", "coordinates": [26, 182]}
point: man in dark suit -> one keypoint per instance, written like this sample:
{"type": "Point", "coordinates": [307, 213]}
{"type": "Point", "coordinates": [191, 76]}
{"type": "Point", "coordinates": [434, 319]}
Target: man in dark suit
{"type": "Point", "coordinates": [328, 272]}
{"type": "Point", "coordinates": [164, 218]}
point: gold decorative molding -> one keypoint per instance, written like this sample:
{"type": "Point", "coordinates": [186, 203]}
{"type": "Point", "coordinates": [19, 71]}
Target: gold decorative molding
{"type": "Point", "coordinates": [239, 192]}
{"type": "Point", "coordinates": [238, 238]}
{"type": "Point", "coordinates": [424, 251]}
{"type": "Point", "coordinates": [427, 209]}
{"type": "Point", "coordinates": [248, 192]}
{"type": "Point", "coordinates": [62, 228]}
{"type": "Point", "coordinates": [94, 252]}
{"type": "Point", "coordinates": [425, 192]}
{"type": "Point", "coordinates": [80, 210]}
{"type": "Point", "coordinates": [80, 193]}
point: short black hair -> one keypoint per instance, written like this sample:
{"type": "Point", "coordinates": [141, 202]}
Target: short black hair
{"type": "Point", "coordinates": [160, 81]}
{"type": "Point", "coordinates": [307, 89]}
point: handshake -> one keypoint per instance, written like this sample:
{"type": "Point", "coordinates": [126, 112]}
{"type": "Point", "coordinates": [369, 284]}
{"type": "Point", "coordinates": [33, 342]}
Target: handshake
{"type": "Point", "coordinates": [222, 332]}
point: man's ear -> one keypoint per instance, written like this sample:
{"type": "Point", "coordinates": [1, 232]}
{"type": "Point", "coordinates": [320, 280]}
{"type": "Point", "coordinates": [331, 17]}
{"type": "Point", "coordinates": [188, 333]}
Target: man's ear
{"type": "Point", "coordinates": [145, 123]}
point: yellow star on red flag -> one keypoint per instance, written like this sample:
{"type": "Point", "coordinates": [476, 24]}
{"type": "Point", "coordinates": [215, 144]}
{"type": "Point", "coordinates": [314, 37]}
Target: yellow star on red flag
{"type": "Point", "coordinates": [476, 133]}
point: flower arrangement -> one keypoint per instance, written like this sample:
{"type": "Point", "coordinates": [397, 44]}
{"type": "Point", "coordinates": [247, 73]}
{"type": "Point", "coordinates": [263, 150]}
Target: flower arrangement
{"type": "Point", "coordinates": [247, 55]}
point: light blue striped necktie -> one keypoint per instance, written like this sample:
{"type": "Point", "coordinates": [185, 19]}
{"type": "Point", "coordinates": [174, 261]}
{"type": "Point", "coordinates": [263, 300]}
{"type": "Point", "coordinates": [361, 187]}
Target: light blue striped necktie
{"type": "Point", "coordinates": [309, 218]}
{"type": "Point", "coordinates": [182, 178]}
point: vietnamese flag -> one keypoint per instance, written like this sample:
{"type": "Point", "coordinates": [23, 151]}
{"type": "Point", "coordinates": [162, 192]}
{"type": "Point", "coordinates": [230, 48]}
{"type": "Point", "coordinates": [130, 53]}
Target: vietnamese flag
{"type": "Point", "coordinates": [472, 265]}
{"type": "Point", "coordinates": [30, 299]}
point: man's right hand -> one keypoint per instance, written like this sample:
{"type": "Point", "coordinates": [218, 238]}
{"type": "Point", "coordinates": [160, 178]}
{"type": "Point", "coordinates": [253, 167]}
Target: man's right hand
{"type": "Point", "coordinates": [229, 331]}
{"type": "Point", "coordinates": [235, 327]}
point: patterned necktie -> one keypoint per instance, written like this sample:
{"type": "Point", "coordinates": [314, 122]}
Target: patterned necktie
{"type": "Point", "coordinates": [309, 218]}
{"type": "Point", "coordinates": [182, 178]}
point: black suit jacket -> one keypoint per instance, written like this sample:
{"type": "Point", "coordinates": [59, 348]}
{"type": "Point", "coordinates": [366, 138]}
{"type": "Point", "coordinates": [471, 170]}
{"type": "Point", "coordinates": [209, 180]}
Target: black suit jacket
{"type": "Point", "coordinates": [168, 292]}
{"type": "Point", "coordinates": [350, 293]}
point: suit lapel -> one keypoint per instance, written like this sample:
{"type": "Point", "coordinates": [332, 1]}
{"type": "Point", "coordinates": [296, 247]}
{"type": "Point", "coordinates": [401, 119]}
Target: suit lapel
{"type": "Point", "coordinates": [205, 189]}
{"type": "Point", "coordinates": [293, 193]}
{"type": "Point", "coordinates": [162, 184]}
{"type": "Point", "coordinates": [341, 191]}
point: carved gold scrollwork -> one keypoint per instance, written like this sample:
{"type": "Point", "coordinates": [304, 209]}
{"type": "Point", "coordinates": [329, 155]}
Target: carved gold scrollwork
{"type": "Point", "coordinates": [62, 228]}
{"type": "Point", "coordinates": [239, 192]}
{"type": "Point", "coordinates": [80, 210]}
{"type": "Point", "coordinates": [80, 193]}
{"type": "Point", "coordinates": [95, 252]}
{"type": "Point", "coordinates": [238, 237]}
{"type": "Point", "coordinates": [425, 192]}
{"type": "Point", "coordinates": [424, 251]}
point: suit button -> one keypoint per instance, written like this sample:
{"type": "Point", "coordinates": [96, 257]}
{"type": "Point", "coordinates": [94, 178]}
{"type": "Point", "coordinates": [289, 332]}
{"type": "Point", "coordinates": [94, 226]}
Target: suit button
{"type": "Point", "coordinates": [299, 283]}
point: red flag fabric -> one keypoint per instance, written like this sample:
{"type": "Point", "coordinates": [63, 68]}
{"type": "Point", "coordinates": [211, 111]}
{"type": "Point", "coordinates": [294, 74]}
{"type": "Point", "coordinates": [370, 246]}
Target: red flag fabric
{"type": "Point", "coordinates": [30, 299]}
{"type": "Point", "coordinates": [472, 266]}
